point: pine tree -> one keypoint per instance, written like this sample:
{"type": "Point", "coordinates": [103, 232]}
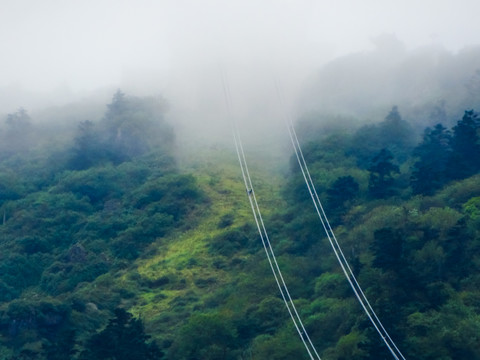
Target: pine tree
{"type": "Point", "coordinates": [124, 338]}
{"type": "Point", "coordinates": [87, 150]}
{"type": "Point", "coordinates": [342, 191]}
{"type": "Point", "coordinates": [465, 144]}
{"type": "Point", "coordinates": [429, 172]}
{"type": "Point", "coordinates": [381, 180]}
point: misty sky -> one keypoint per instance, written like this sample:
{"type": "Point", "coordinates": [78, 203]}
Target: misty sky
{"type": "Point", "coordinates": [82, 45]}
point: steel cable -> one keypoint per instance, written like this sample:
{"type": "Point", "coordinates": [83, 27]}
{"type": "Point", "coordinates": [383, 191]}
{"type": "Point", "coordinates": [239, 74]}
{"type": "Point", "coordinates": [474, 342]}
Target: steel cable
{"type": "Point", "coordinates": [334, 244]}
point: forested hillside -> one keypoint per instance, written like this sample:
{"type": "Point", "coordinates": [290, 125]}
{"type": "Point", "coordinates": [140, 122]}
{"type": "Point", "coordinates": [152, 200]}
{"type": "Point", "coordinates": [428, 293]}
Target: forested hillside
{"type": "Point", "coordinates": [109, 249]}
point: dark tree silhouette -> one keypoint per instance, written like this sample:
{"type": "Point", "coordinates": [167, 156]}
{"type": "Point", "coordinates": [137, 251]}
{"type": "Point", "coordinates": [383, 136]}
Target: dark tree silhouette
{"type": "Point", "coordinates": [132, 126]}
{"type": "Point", "coordinates": [343, 190]}
{"type": "Point", "coordinates": [124, 338]}
{"type": "Point", "coordinates": [465, 144]}
{"type": "Point", "coordinates": [205, 336]}
{"type": "Point", "coordinates": [387, 249]}
{"type": "Point", "coordinates": [62, 348]}
{"type": "Point", "coordinates": [87, 150]}
{"type": "Point", "coordinates": [396, 130]}
{"type": "Point", "coordinates": [393, 133]}
{"type": "Point", "coordinates": [433, 152]}
{"type": "Point", "coordinates": [381, 180]}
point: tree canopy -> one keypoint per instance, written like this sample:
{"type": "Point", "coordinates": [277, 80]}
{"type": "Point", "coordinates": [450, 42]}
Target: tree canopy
{"type": "Point", "coordinates": [111, 249]}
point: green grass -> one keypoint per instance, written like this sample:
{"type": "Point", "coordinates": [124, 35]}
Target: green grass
{"type": "Point", "coordinates": [184, 257]}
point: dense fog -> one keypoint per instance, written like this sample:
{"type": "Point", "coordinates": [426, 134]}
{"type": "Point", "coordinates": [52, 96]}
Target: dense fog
{"type": "Point", "coordinates": [126, 231]}
{"type": "Point", "coordinates": [64, 61]}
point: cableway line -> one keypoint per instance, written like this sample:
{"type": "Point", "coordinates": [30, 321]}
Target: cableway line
{"type": "Point", "coordinates": [362, 299]}
{"type": "Point", "coordinates": [287, 299]}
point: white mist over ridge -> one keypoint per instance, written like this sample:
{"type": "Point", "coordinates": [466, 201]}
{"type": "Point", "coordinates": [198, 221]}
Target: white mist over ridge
{"type": "Point", "coordinates": [329, 58]}
{"type": "Point", "coordinates": [421, 82]}
{"type": "Point", "coordinates": [87, 45]}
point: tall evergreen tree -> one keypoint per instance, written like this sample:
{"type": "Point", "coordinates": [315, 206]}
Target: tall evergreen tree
{"type": "Point", "coordinates": [343, 190]}
{"type": "Point", "coordinates": [132, 126]}
{"type": "Point", "coordinates": [63, 348]}
{"type": "Point", "coordinates": [387, 249]}
{"type": "Point", "coordinates": [124, 338]}
{"type": "Point", "coordinates": [465, 143]}
{"type": "Point", "coordinates": [397, 135]}
{"type": "Point", "coordinates": [381, 180]}
{"type": "Point", "coordinates": [87, 150]}
{"type": "Point", "coordinates": [433, 153]}
{"type": "Point", "coordinates": [393, 133]}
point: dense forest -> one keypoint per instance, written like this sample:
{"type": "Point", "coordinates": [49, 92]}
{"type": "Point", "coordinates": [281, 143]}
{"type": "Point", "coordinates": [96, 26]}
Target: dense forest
{"type": "Point", "coordinates": [109, 249]}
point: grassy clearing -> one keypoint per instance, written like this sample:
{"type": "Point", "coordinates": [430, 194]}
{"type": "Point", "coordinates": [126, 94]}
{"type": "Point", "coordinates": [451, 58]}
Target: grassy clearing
{"type": "Point", "coordinates": [183, 273]}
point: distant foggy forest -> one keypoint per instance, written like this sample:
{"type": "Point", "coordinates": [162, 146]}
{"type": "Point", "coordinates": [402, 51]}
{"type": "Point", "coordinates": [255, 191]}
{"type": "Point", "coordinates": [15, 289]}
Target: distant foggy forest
{"type": "Point", "coordinates": [126, 231]}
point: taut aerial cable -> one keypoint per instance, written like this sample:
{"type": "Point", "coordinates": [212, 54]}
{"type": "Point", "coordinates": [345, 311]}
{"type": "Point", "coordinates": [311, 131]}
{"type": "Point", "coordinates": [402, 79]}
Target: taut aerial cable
{"type": "Point", "coordinates": [362, 299]}
{"type": "Point", "coordinates": [295, 317]}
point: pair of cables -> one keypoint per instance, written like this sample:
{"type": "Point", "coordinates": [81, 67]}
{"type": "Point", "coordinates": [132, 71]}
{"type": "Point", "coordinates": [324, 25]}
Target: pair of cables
{"type": "Point", "coordinates": [295, 317]}
{"type": "Point", "coordinates": [272, 260]}
{"type": "Point", "coordinates": [360, 295]}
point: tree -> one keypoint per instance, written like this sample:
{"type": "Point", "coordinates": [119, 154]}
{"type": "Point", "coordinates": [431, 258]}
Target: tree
{"type": "Point", "coordinates": [18, 123]}
{"type": "Point", "coordinates": [280, 347]}
{"type": "Point", "coordinates": [133, 126]}
{"type": "Point", "coordinates": [18, 132]}
{"type": "Point", "coordinates": [381, 180]}
{"type": "Point", "coordinates": [87, 150]}
{"type": "Point", "coordinates": [343, 190]}
{"type": "Point", "coordinates": [465, 144]}
{"type": "Point", "coordinates": [124, 338]}
{"type": "Point", "coordinates": [63, 348]}
{"type": "Point", "coordinates": [396, 133]}
{"type": "Point", "coordinates": [205, 336]}
{"type": "Point", "coordinates": [118, 105]}
{"type": "Point", "coordinates": [387, 249]}
{"type": "Point", "coordinates": [393, 133]}
{"type": "Point", "coordinates": [429, 172]}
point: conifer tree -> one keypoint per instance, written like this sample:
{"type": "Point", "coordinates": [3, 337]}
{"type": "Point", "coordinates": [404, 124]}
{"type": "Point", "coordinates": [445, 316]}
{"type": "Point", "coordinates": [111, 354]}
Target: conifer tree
{"type": "Point", "coordinates": [433, 153]}
{"type": "Point", "coordinates": [124, 338]}
{"type": "Point", "coordinates": [381, 180]}
{"type": "Point", "coordinates": [465, 143]}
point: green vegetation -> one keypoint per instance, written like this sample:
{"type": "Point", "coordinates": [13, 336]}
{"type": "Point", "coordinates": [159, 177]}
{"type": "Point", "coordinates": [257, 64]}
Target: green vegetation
{"type": "Point", "coordinates": [109, 250]}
